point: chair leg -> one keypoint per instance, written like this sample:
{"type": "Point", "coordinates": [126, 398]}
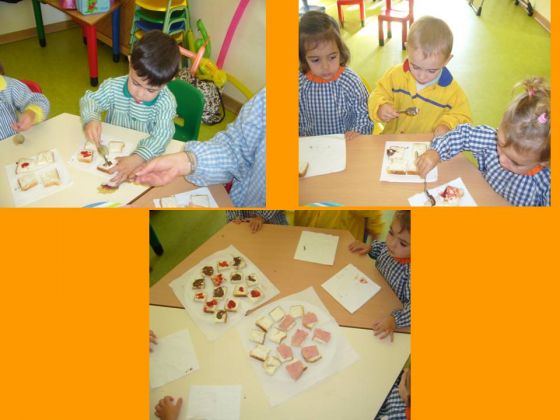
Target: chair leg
{"type": "Point", "coordinates": [389, 34]}
{"type": "Point", "coordinates": [362, 13]}
{"type": "Point", "coordinates": [155, 243]}
{"type": "Point", "coordinates": [404, 33]}
{"type": "Point", "coordinates": [380, 29]}
{"type": "Point", "coordinates": [340, 15]}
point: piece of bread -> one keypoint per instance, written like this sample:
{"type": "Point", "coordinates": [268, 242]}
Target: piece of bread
{"type": "Point", "coordinates": [50, 178]}
{"type": "Point", "coordinates": [219, 292]}
{"type": "Point", "coordinates": [309, 320]}
{"type": "Point", "coordinates": [104, 167]}
{"type": "Point", "coordinates": [451, 196]}
{"type": "Point", "coordinates": [199, 284]}
{"type": "Point", "coordinates": [296, 311]}
{"type": "Point", "coordinates": [224, 265]}
{"type": "Point", "coordinates": [231, 305]}
{"type": "Point", "coordinates": [218, 279]}
{"type": "Point", "coordinates": [295, 369]}
{"type": "Point", "coordinates": [260, 352]}
{"type": "Point", "coordinates": [240, 291]}
{"type": "Point", "coordinates": [252, 279]}
{"type": "Point", "coordinates": [418, 149]}
{"type": "Point", "coordinates": [255, 294]}
{"type": "Point", "coordinates": [25, 165]}
{"type": "Point", "coordinates": [199, 297]}
{"type": "Point", "coordinates": [321, 336]}
{"type": "Point", "coordinates": [271, 364]}
{"type": "Point", "coordinates": [284, 353]}
{"type": "Point", "coordinates": [397, 166]}
{"type": "Point", "coordinates": [200, 200]}
{"type": "Point", "coordinates": [303, 168]}
{"type": "Point", "coordinates": [257, 336]}
{"type": "Point", "coordinates": [287, 322]}
{"type": "Point", "coordinates": [236, 276]}
{"type": "Point", "coordinates": [85, 156]}
{"type": "Point", "coordinates": [299, 337]}
{"type": "Point", "coordinates": [26, 182]}
{"type": "Point", "coordinates": [116, 147]}
{"type": "Point", "coordinates": [276, 336]}
{"type": "Point", "coordinates": [264, 323]}
{"type": "Point", "coordinates": [310, 353]}
{"type": "Point", "coordinates": [45, 158]}
{"type": "Point", "coordinates": [221, 316]}
{"type": "Point", "coordinates": [207, 270]}
{"type": "Point", "coordinates": [167, 202]}
{"type": "Point", "coordinates": [210, 306]}
{"type": "Point", "coordinates": [238, 262]}
{"type": "Point", "coordinates": [277, 314]}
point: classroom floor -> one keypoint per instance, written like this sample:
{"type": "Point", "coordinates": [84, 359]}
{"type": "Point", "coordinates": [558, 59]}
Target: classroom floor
{"type": "Point", "coordinates": [61, 69]}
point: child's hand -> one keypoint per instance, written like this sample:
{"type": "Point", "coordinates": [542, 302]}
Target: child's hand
{"type": "Point", "coordinates": [238, 221]}
{"type": "Point", "coordinates": [25, 121]}
{"type": "Point", "coordinates": [384, 327]}
{"type": "Point", "coordinates": [426, 162]}
{"type": "Point", "coordinates": [125, 167]}
{"type": "Point", "coordinates": [404, 386]}
{"type": "Point", "coordinates": [167, 410]}
{"type": "Point", "coordinates": [440, 130]}
{"type": "Point", "coordinates": [349, 135]}
{"type": "Point", "coordinates": [163, 169]}
{"type": "Point", "coordinates": [255, 223]}
{"type": "Point", "coordinates": [358, 247]}
{"type": "Point", "coordinates": [386, 112]}
{"type": "Point", "coordinates": [92, 131]}
{"type": "Point", "coordinates": [153, 339]}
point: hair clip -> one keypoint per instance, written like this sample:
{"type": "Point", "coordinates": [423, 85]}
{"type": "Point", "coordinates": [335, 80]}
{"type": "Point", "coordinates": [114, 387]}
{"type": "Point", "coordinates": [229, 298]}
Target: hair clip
{"type": "Point", "coordinates": [542, 119]}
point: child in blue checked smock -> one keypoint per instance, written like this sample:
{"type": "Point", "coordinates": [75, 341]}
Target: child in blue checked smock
{"type": "Point", "coordinates": [515, 158]}
{"type": "Point", "coordinates": [20, 108]}
{"type": "Point", "coordinates": [392, 259]}
{"type": "Point", "coordinates": [256, 218]}
{"type": "Point", "coordinates": [332, 98]}
{"type": "Point", "coordinates": [140, 101]}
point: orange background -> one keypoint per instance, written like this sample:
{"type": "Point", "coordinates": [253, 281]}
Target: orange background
{"type": "Point", "coordinates": [75, 293]}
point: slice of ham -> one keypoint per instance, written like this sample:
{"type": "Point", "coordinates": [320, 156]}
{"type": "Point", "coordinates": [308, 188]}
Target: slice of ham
{"type": "Point", "coordinates": [285, 352]}
{"type": "Point", "coordinates": [295, 369]}
{"type": "Point", "coordinates": [287, 322]}
{"type": "Point", "coordinates": [321, 335]}
{"type": "Point", "coordinates": [299, 337]}
{"type": "Point", "coordinates": [309, 320]}
{"type": "Point", "coordinates": [310, 353]}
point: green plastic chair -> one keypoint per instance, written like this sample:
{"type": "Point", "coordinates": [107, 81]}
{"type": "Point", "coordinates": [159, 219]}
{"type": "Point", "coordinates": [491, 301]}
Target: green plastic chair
{"type": "Point", "coordinates": [190, 105]}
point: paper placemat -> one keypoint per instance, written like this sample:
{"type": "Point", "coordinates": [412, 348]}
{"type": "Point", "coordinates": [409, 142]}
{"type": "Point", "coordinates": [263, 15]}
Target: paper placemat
{"type": "Point", "coordinates": [182, 287]}
{"type": "Point", "coordinates": [466, 200]}
{"type": "Point", "coordinates": [214, 402]}
{"type": "Point", "coordinates": [322, 154]}
{"type": "Point", "coordinates": [406, 146]}
{"type": "Point", "coordinates": [23, 198]}
{"type": "Point", "coordinates": [336, 355]}
{"type": "Point", "coordinates": [351, 288]}
{"type": "Point", "coordinates": [201, 197]}
{"type": "Point", "coordinates": [315, 247]}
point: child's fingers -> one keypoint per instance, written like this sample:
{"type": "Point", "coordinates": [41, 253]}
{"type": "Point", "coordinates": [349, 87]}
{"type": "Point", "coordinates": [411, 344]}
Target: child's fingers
{"type": "Point", "coordinates": [179, 403]}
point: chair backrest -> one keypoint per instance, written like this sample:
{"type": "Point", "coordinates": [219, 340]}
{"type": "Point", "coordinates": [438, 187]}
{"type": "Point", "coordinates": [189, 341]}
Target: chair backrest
{"type": "Point", "coordinates": [33, 86]}
{"type": "Point", "coordinates": [409, 12]}
{"type": "Point", "coordinates": [190, 105]}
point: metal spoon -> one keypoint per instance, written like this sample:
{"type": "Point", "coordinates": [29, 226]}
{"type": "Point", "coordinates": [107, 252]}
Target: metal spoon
{"type": "Point", "coordinates": [103, 151]}
{"type": "Point", "coordinates": [431, 198]}
{"type": "Point", "coordinates": [412, 111]}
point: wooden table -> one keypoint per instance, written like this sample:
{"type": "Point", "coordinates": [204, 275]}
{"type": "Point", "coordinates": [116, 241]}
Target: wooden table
{"type": "Point", "coordinates": [272, 250]}
{"type": "Point", "coordinates": [359, 184]}
{"type": "Point", "coordinates": [87, 22]}
{"type": "Point", "coordinates": [64, 132]}
{"type": "Point", "coordinates": [356, 392]}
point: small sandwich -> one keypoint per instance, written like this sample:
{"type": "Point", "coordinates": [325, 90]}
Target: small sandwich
{"type": "Point", "coordinates": [287, 322]}
{"type": "Point", "coordinates": [200, 200]}
{"type": "Point", "coordinates": [271, 364]}
{"type": "Point", "coordinates": [240, 291]}
{"type": "Point", "coordinates": [26, 182]}
{"type": "Point", "coordinates": [199, 297]}
{"type": "Point", "coordinates": [221, 316]}
{"type": "Point", "coordinates": [218, 279]}
{"type": "Point", "coordinates": [284, 353]}
{"type": "Point", "coordinates": [296, 311]}
{"type": "Point", "coordinates": [208, 270]}
{"type": "Point", "coordinates": [276, 336]}
{"type": "Point", "coordinates": [310, 353]}
{"type": "Point", "coordinates": [238, 262]}
{"type": "Point", "coordinates": [224, 265]}
{"type": "Point", "coordinates": [260, 352]}
{"type": "Point", "coordinates": [299, 337]}
{"type": "Point", "coordinates": [219, 292]}
{"type": "Point", "coordinates": [25, 165]}
{"type": "Point", "coordinates": [105, 167]}
{"type": "Point", "coordinates": [255, 294]}
{"type": "Point", "coordinates": [167, 202]}
{"type": "Point", "coordinates": [210, 306]}
{"type": "Point", "coordinates": [451, 196]}
{"type": "Point", "coordinates": [309, 320]}
{"type": "Point", "coordinates": [264, 323]}
{"type": "Point", "coordinates": [85, 156]}
{"type": "Point", "coordinates": [295, 369]}
{"type": "Point", "coordinates": [116, 147]}
{"type": "Point", "coordinates": [397, 166]}
{"type": "Point", "coordinates": [198, 284]}
{"type": "Point", "coordinates": [277, 314]}
{"type": "Point", "coordinates": [321, 336]}
{"type": "Point", "coordinates": [252, 279]}
{"type": "Point", "coordinates": [236, 276]}
{"type": "Point", "coordinates": [231, 305]}
{"type": "Point", "coordinates": [257, 336]}
{"type": "Point", "coordinates": [45, 158]}
{"type": "Point", "coordinates": [50, 178]}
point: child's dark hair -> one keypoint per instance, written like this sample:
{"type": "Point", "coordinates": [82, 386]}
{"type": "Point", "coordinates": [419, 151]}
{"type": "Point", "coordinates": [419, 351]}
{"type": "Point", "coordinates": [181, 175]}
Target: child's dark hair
{"type": "Point", "coordinates": [156, 57]}
{"type": "Point", "coordinates": [403, 217]}
{"type": "Point", "coordinates": [526, 123]}
{"type": "Point", "coordinates": [1, 69]}
{"type": "Point", "coordinates": [314, 28]}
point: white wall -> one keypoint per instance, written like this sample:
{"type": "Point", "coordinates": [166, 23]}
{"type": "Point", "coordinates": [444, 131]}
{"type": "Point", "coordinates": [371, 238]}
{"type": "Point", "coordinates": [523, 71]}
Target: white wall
{"type": "Point", "coordinates": [543, 7]}
{"type": "Point", "coordinates": [19, 16]}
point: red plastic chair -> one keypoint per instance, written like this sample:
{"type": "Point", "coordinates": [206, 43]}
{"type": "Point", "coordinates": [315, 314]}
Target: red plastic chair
{"type": "Point", "coordinates": [33, 86]}
{"type": "Point", "coordinates": [341, 3]}
{"type": "Point", "coordinates": [405, 17]}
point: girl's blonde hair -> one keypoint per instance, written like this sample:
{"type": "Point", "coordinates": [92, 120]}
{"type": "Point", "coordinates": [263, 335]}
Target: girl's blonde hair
{"type": "Point", "coordinates": [403, 216]}
{"type": "Point", "coordinates": [314, 28]}
{"type": "Point", "coordinates": [432, 36]}
{"type": "Point", "coordinates": [526, 123]}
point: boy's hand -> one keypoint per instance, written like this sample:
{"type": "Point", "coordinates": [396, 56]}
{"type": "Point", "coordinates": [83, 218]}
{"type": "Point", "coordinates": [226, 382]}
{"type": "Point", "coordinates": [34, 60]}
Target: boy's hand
{"type": "Point", "coordinates": [92, 131]}
{"type": "Point", "coordinates": [153, 339]}
{"type": "Point", "coordinates": [163, 169]}
{"type": "Point", "coordinates": [358, 247]}
{"type": "Point", "coordinates": [255, 223]}
{"type": "Point", "coordinates": [440, 130]}
{"type": "Point", "coordinates": [125, 167]}
{"type": "Point", "coordinates": [25, 121]}
{"type": "Point", "coordinates": [349, 135]}
{"type": "Point", "coordinates": [384, 327]}
{"type": "Point", "coordinates": [426, 162]}
{"type": "Point", "coordinates": [167, 410]}
{"type": "Point", "coordinates": [386, 112]}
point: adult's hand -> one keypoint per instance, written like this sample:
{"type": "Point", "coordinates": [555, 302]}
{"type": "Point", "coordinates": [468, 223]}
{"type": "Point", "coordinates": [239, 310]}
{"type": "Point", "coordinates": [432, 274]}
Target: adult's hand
{"type": "Point", "coordinates": [163, 169]}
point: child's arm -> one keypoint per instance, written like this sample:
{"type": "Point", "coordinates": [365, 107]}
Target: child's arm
{"type": "Point", "coordinates": [162, 130]}
{"type": "Point", "coordinates": [460, 113]}
{"type": "Point", "coordinates": [168, 409]}
{"type": "Point", "coordinates": [275, 217]}
{"type": "Point", "coordinates": [235, 216]}
{"type": "Point", "coordinates": [358, 96]}
{"type": "Point", "coordinates": [382, 95]}
{"type": "Point", "coordinates": [92, 104]}
{"type": "Point", "coordinates": [34, 107]}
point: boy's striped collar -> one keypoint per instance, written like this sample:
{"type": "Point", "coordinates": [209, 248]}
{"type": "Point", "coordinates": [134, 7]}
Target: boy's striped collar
{"type": "Point", "coordinates": [445, 78]}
